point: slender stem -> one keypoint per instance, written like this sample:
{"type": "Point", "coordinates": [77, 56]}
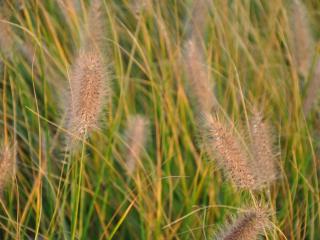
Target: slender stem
{"type": "Point", "coordinates": [76, 210]}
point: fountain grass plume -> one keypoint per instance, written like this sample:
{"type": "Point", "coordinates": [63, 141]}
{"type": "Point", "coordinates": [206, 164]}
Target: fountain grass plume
{"type": "Point", "coordinates": [301, 37]}
{"type": "Point", "coordinates": [136, 138]}
{"type": "Point", "coordinates": [200, 84]}
{"type": "Point", "coordinates": [249, 225]}
{"type": "Point", "coordinates": [7, 41]}
{"type": "Point", "coordinates": [95, 27]}
{"type": "Point", "coordinates": [222, 144]}
{"type": "Point", "coordinates": [264, 158]}
{"type": "Point", "coordinates": [312, 91]}
{"type": "Point", "coordinates": [89, 81]}
{"type": "Point", "coordinates": [7, 164]}
{"type": "Point", "coordinates": [199, 15]}
{"type": "Point", "coordinates": [89, 86]}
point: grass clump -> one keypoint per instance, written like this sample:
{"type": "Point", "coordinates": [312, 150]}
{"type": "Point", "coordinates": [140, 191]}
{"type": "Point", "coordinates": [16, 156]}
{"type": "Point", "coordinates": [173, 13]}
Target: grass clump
{"type": "Point", "coordinates": [241, 74]}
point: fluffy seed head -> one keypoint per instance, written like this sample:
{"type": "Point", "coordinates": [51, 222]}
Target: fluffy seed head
{"type": "Point", "coordinates": [89, 87]}
{"type": "Point", "coordinates": [312, 91]}
{"type": "Point", "coordinates": [139, 6]}
{"type": "Point", "coordinates": [301, 37]}
{"type": "Point", "coordinates": [89, 83]}
{"type": "Point", "coordinates": [94, 29]}
{"type": "Point", "coordinates": [247, 226]}
{"type": "Point", "coordinates": [6, 36]}
{"type": "Point", "coordinates": [198, 18]}
{"type": "Point", "coordinates": [136, 137]}
{"type": "Point", "coordinates": [263, 161]}
{"type": "Point", "coordinates": [223, 145]}
{"type": "Point", "coordinates": [201, 88]}
{"type": "Point", "coordinates": [7, 165]}
{"type": "Point", "coordinates": [70, 7]}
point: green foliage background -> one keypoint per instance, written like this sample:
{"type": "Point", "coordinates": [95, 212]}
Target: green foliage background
{"type": "Point", "coordinates": [177, 193]}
